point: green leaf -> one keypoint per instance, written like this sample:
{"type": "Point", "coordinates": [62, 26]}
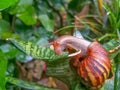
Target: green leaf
{"type": "Point", "coordinates": [21, 6]}
{"type": "Point", "coordinates": [117, 74]}
{"type": "Point", "coordinates": [61, 70]}
{"type": "Point", "coordinates": [108, 85]}
{"type": "Point", "coordinates": [118, 33]}
{"type": "Point", "coordinates": [112, 44]}
{"type": "Point", "coordinates": [113, 14]}
{"type": "Point", "coordinates": [27, 85]}
{"type": "Point", "coordinates": [28, 17]}
{"type": "Point", "coordinates": [4, 29]}
{"type": "Point", "coordinates": [6, 3]}
{"type": "Point", "coordinates": [9, 51]}
{"type": "Point", "coordinates": [46, 22]}
{"type": "Point", "coordinates": [24, 11]}
{"type": "Point", "coordinates": [44, 53]}
{"type": "Point", "coordinates": [4, 26]}
{"type": "Point", "coordinates": [3, 67]}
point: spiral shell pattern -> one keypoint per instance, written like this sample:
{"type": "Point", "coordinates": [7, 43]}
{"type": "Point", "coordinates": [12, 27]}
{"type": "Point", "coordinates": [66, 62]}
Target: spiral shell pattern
{"type": "Point", "coordinates": [95, 68]}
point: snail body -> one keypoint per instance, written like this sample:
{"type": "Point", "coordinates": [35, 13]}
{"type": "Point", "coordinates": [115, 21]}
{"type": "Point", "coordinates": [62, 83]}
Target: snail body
{"type": "Point", "coordinates": [94, 67]}
{"type": "Point", "coordinates": [69, 41]}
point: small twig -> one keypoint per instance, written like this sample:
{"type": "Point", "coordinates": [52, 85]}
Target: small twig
{"type": "Point", "coordinates": [13, 23]}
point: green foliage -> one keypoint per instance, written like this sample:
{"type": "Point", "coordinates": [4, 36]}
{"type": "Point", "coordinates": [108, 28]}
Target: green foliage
{"type": "Point", "coordinates": [3, 68]}
{"type": "Point", "coordinates": [32, 24]}
{"type": "Point", "coordinates": [47, 23]}
{"type": "Point", "coordinates": [24, 11]}
{"type": "Point", "coordinates": [113, 44]}
{"type": "Point", "coordinates": [109, 85]}
{"type": "Point", "coordinates": [113, 12]}
{"type": "Point", "coordinates": [28, 17]}
{"type": "Point", "coordinates": [4, 29]}
{"type": "Point", "coordinates": [20, 7]}
{"type": "Point", "coordinates": [9, 51]}
{"type": "Point", "coordinates": [62, 70]}
{"type": "Point", "coordinates": [117, 74]}
{"type": "Point", "coordinates": [6, 3]}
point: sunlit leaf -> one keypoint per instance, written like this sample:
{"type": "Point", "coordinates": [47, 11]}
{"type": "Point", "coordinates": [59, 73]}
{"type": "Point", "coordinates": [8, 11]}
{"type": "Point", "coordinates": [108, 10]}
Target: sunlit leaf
{"type": "Point", "coordinates": [44, 53]}
{"type": "Point", "coordinates": [47, 22]}
{"type": "Point", "coordinates": [6, 3]}
{"type": "Point", "coordinates": [28, 17]}
{"type": "Point", "coordinates": [25, 11]}
{"type": "Point", "coordinates": [20, 7]}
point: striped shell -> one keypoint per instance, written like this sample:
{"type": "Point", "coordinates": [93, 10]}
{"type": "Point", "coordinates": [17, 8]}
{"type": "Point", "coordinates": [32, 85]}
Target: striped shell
{"type": "Point", "coordinates": [96, 67]}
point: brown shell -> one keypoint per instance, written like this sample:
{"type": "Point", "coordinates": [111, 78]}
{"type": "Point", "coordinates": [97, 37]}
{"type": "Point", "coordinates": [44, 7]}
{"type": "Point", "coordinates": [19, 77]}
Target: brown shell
{"type": "Point", "coordinates": [96, 67]}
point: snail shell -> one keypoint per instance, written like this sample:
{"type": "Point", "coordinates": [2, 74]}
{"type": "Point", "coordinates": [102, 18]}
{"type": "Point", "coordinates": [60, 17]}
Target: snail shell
{"type": "Point", "coordinates": [96, 67]}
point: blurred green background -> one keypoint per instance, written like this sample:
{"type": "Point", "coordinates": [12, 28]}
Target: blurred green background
{"type": "Point", "coordinates": [42, 21]}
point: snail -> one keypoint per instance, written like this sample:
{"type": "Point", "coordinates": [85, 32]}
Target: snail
{"type": "Point", "coordinates": [92, 63]}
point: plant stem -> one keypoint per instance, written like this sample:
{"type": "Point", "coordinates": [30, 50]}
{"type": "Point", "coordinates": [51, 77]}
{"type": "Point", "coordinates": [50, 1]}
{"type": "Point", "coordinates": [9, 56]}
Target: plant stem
{"type": "Point", "coordinates": [66, 27]}
{"type": "Point", "coordinates": [106, 35]}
